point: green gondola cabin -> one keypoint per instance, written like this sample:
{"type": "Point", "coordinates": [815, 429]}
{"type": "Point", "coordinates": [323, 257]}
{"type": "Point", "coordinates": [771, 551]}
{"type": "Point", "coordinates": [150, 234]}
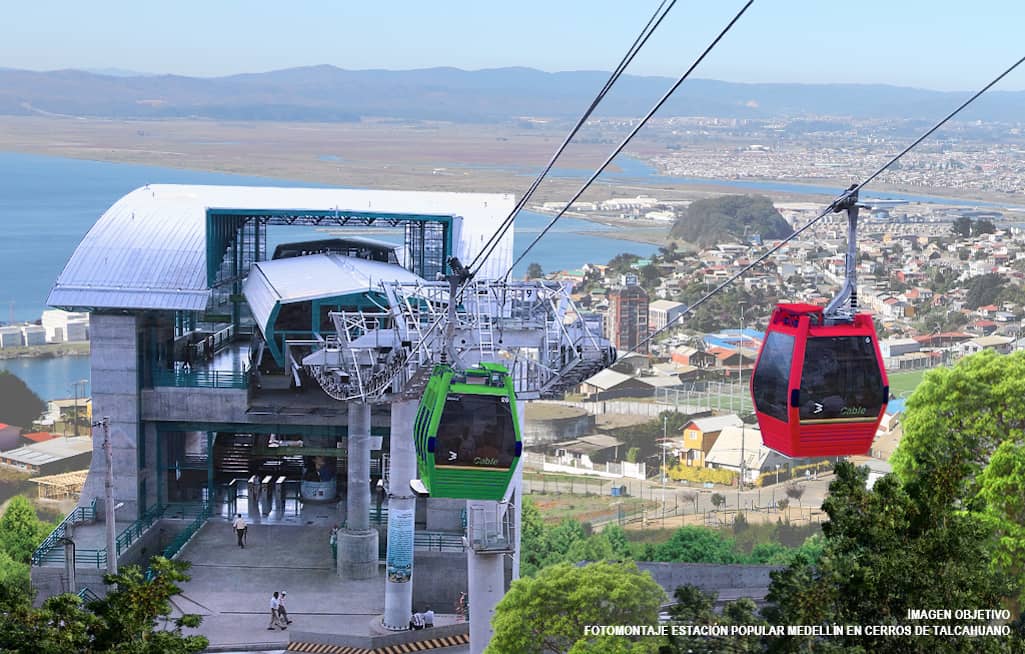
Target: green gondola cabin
{"type": "Point", "coordinates": [466, 433]}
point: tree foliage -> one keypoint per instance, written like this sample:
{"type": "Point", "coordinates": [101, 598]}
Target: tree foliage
{"type": "Point", "coordinates": [983, 290]}
{"type": "Point", "coordinates": [18, 404]}
{"type": "Point", "coordinates": [534, 270]}
{"type": "Point", "coordinates": [548, 613]}
{"type": "Point", "coordinates": [134, 618]}
{"type": "Point", "coordinates": [730, 217]}
{"type": "Point", "coordinates": [954, 422]}
{"type": "Point", "coordinates": [887, 551]}
{"type": "Point", "coordinates": [21, 531]}
{"type": "Point", "coordinates": [695, 606]}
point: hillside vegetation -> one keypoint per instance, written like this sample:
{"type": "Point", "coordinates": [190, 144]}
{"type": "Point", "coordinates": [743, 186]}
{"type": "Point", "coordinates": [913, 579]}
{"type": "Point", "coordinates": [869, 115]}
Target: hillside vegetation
{"type": "Point", "coordinates": [730, 218]}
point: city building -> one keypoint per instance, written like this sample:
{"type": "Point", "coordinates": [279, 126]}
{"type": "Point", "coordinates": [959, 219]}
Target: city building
{"type": "Point", "coordinates": [663, 312]}
{"type": "Point", "coordinates": [11, 337]}
{"type": "Point", "coordinates": [51, 456]}
{"type": "Point", "coordinates": [64, 326]}
{"type": "Point", "coordinates": [628, 316]}
{"type": "Point", "coordinates": [33, 334]}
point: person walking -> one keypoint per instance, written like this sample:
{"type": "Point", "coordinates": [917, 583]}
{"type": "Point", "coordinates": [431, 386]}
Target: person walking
{"type": "Point", "coordinates": [282, 612]}
{"type": "Point", "coordinates": [275, 617]}
{"type": "Point", "coordinates": [239, 525]}
{"type": "Point", "coordinates": [333, 541]}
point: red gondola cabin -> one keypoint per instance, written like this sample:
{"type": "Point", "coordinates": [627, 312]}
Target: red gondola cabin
{"type": "Point", "coordinates": [819, 389]}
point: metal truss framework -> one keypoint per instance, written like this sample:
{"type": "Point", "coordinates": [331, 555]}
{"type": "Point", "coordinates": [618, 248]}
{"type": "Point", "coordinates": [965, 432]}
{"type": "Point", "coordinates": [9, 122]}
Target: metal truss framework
{"type": "Point", "coordinates": [533, 328]}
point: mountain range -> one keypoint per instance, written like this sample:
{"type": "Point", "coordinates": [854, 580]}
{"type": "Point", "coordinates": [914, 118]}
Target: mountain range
{"type": "Point", "coordinates": [328, 93]}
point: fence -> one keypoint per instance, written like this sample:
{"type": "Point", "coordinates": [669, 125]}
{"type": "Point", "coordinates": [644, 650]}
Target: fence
{"type": "Point", "coordinates": [703, 396]}
{"type": "Point", "coordinates": [610, 470]}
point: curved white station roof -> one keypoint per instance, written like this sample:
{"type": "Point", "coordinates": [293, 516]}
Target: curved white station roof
{"type": "Point", "coordinates": [148, 251]}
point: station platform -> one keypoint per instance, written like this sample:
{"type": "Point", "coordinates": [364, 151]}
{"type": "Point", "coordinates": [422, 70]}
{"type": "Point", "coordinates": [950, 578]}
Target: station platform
{"type": "Point", "coordinates": [231, 589]}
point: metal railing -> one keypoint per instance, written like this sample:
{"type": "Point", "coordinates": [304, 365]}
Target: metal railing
{"type": "Point", "coordinates": [200, 378]}
{"type": "Point", "coordinates": [438, 541]}
{"type": "Point", "coordinates": [185, 535]}
{"type": "Point", "coordinates": [87, 595]}
{"type": "Point", "coordinates": [135, 530]}
{"type": "Point", "coordinates": [80, 515]}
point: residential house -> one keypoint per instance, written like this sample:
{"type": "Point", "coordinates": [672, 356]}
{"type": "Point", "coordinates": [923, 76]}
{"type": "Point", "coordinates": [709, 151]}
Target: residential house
{"type": "Point", "coordinates": [743, 443]}
{"type": "Point", "coordinates": [698, 437]}
{"type": "Point", "coordinates": [588, 451]}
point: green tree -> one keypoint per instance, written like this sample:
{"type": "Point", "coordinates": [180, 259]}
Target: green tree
{"type": "Point", "coordinates": [983, 290]}
{"type": "Point", "coordinates": [962, 226]}
{"type": "Point", "coordinates": [136, 616]}
{"type": "Point", "coordinates": [548, 613]}
{"type": "Point", "coordinates": [697, 607]}
{"type": "Point", "coordinates": [534, 271]}
{"type": "Point", "coordinates": [954, 422]}
{"type": "Point", "coordinates": [533, 541]}
{"type": "Point", "coordinates": [696, 545]}
{"type": "Point", "coordinates": [21, 531]}
{"type": "Point", "coordinates": [14, 582]}
{"type": "Point", "coordinates": [623, 263]}
{"type": "Point", "coordinates": [718, 499]}
{"type": "Point", "coordinates": [1002, 488]}
{"type": "Point", "coordinates": [18, 404]}
{"type": "Point", "coordinates": [884, 551]}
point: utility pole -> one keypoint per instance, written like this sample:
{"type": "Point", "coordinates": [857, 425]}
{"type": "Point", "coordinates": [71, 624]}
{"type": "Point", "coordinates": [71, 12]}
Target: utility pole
{"type": "Point", "coordinates": [740, 378]}
{"type": "Point", "coordinates": [108, 499]}
{"type": "Point", "coordinates": [76, 384]}
{"type": "Point", "coordinates": [665, 436]}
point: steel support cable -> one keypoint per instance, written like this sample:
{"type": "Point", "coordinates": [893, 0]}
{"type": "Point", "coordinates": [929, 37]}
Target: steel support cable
{"type": "Point", "coordinates": [635, 47]}
{"type": "Point", "coordinates": [836, 205]}
{"type": "Point", "coordinates": [633, 132]}
{"type": "Point", "coordinates": [649, 28]}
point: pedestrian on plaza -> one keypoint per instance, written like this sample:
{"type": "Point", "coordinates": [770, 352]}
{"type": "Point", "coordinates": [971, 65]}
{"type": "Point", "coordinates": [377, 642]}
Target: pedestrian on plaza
{"type": "Point", "coordinates": [282, 612]}
{"type": "Point", "coordinates": [416, 621]}
{"type": "Point", "coordinates": [239, 525]}
{"type": "Point", "coordinates": [428, 618]}
{"type": "Point", "coordinates": [333, 541]}
{"type": "Point", "coordinates": [275, 617]}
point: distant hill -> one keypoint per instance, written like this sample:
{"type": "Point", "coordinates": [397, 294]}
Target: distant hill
{"type": "Point", "coordinates": [730, 218]}
{"type": "Point", "coordinates": [327, 93]}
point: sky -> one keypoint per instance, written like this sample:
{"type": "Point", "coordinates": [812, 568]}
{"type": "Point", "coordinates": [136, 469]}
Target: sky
{"type": "Point", "coordinates": [934, 44]}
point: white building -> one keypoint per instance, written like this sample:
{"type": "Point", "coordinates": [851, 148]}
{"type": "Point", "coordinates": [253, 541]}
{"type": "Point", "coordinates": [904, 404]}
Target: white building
{"type": "Point", "coordinates": [33, 334]}
{"type": "Point", "coordinates": [62, 326]}
{"type": "Point", "coordinates": [662, 312]}
{"type": "Point", "coordinates": [11, 337]}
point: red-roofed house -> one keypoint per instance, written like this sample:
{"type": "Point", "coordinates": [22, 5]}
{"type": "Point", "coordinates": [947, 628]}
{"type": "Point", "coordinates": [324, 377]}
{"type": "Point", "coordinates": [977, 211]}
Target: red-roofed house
{"type": "Point", "coordinates": [37, 437]}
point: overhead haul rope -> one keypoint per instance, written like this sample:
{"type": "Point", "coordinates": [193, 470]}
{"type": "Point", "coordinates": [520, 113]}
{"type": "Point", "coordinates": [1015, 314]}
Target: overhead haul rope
{"type": "Point", "coordinates": [656, 19]}
{"type": "Point", "coordinates": [630, 136]}
{"type": "Point", "coordinates": [635, 47]}
{"type": "Point", "coordinates": [839, 204]}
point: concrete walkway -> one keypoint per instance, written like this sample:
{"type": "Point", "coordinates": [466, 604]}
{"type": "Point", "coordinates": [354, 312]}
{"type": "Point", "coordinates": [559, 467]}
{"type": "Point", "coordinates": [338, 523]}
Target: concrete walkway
{"type": "Point", "coordinates": [231, 588]}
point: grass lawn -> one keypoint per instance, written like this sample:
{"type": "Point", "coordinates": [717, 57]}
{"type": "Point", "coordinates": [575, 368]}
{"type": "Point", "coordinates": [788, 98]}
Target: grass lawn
{"type": "Point", "coordinates": [902, 384]}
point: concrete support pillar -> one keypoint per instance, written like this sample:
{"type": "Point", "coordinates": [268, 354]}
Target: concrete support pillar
{"type": "Point", "coordinates": [357, 543]}
{"type": "Point", "coordinates": [516, 495]}
{"type": "Point", "coordinates": [486, 583]}
{"type": "Point", "coordinates": [398, 590]}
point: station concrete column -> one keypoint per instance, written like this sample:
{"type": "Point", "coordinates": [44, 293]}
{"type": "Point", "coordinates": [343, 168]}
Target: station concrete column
{"type": "Point", "coordinates": [357, 543]}
{"type": "Point", "coordinates": [485, 579]}
{"type": "Point", "coordinates": [398, 590]}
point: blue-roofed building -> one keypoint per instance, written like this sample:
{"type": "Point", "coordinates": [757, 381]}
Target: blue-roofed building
{"type": "Point", "coordinates": [732, 339]}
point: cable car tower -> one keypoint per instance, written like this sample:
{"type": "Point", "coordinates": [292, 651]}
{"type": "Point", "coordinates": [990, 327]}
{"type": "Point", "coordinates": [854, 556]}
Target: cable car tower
{"type": "Point", "coordinates": [489, 344]}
